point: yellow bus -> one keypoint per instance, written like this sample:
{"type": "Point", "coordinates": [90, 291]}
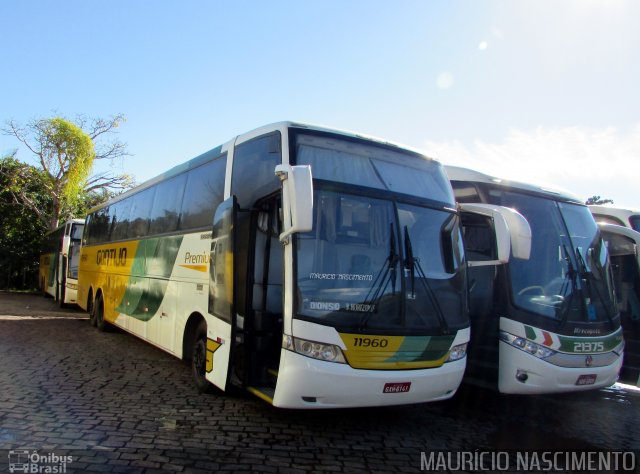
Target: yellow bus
{"type": "Point", "coordinates": [59, 262]}
{"type": "Point", "coordinates": [312, 267]}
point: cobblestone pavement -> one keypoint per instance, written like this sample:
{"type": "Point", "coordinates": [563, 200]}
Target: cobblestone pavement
{"type": "Point", "coordinates": [115, 403]}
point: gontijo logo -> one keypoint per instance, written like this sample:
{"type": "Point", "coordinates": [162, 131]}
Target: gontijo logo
{"type": "Point", "coordinates": [112, 257]}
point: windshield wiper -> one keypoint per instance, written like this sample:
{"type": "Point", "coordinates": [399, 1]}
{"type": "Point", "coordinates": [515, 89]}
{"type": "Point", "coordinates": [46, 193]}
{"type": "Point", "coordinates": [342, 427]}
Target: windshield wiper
{"type": "Point", "coordinates": [586, 275]}
{"type": "Point", "coordinates": [572, 276]}
{"type": "Point", "coordinates": [412, 264]}
{"type": "Point", "coordinates": [381, 281]}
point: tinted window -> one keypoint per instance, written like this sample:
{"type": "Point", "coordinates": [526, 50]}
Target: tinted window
{"type": "Point", "coordinates": [166, 205]}
{"type": "Point", "coordinates": [120, 219]}
{"type": "Point", "coordinates": [635, 223]}
{"type": "Point", "coordinates": [254, 164]}
{"type": "Point", "coordinates": [366, 164]}
{"type": "Point", "coordinates": [98, 226]}
{"type": "Point", "coordinates": [203, 193]}
{"type": "Point", "coordinates": [139, 215]}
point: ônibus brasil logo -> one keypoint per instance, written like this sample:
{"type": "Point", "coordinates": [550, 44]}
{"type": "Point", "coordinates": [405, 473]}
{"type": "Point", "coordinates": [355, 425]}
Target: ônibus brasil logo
{"type": "Point", "coordinates": [23, 460]}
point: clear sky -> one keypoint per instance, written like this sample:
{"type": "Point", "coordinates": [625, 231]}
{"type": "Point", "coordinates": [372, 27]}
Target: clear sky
{"type": "Point", "coordinates": [537, 90]}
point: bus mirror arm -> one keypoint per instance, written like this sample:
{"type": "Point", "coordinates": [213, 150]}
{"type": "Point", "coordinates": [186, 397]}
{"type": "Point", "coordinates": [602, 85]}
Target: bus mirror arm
{"type": "Point", "coordinates": [297, 199]}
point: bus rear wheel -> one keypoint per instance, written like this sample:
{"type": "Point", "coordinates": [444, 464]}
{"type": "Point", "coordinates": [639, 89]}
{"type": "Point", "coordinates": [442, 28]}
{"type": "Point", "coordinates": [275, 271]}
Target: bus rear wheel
{"type": "Point", "coordinates": [98, 310]}
{"type": "Point", "coordinates": [92, 313]}
{"type": "Point", "coordinates": [199, 359]}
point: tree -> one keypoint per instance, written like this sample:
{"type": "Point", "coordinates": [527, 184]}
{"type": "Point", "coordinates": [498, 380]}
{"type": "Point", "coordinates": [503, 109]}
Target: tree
{"type": "Point", "coordinates": [65, 152]}
{"type": "Point", "coordinates": [597, 200]}
{"type": "Point", "coordinates": [20, 229]}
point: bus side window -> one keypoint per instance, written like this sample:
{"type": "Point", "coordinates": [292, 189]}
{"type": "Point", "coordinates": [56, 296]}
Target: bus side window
{"type": "Point", "coordinates": [97, 230]}
{"type": "Point", "coordinates": [253, 173]}
{"type": "Point", "coordinates": [120, 219]}
{"type": "Point", "coordinates": [166, 205]}
{"type": "Point", "coordinates": [205, 185]}
{"type": "Point", "coordinates": [140, 210]}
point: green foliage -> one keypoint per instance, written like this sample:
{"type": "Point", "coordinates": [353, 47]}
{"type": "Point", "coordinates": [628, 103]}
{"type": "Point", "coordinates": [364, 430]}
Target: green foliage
{"type": "Point", "coordinates": [597, 200]}
{"type": "Point", "coordinates": [69, 153]}
{"type": "Point", "coordinates": [66, 152]}
{"type": "Point", "coordinates": [21, 230]}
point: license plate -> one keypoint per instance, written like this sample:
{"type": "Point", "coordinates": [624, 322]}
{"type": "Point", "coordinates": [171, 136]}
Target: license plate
{"type": "Point", "coordinates": [587, 379]}
{"type": "Point", "coordinates": [396, 387]}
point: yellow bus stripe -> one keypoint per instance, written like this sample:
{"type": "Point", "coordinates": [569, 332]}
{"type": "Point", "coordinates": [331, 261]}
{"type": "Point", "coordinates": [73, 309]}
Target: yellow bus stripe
{"type": "Point", "coordinates": [198, 268]}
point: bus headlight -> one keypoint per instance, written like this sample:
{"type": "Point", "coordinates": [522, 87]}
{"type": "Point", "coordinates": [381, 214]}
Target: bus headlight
{"type": "Point", "coordinates": [457, 352]}
{"type": "Point", "coordinates": [541, 352]}
{"type": "Point", "coordinates": [315, 350]}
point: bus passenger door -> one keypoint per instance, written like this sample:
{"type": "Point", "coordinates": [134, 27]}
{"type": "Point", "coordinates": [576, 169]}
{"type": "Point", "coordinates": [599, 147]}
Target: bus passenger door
{"type": "Point", "coordinates": [221, 293]}
{"type": "Point", "coordinates": [623, 245]}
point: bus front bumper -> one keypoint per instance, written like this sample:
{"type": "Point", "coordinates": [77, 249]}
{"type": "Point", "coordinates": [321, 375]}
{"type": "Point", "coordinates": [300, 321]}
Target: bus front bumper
{"type": "Point", "coordinates": [523, 373]}
{"type": "Point", "coordinates": [304, 382]}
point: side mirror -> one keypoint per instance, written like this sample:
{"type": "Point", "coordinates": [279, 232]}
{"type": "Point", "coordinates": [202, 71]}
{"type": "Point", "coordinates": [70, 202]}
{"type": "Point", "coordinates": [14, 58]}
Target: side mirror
{"type": "Point", "coordinates": [297, 199]}
{"type": "Point", "coordinates": [511, 232]}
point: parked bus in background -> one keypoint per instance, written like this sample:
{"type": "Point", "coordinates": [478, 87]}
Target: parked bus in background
{"type": "Point", "coordinates": [623, 245]}
{"type": "Point", "coordinates": [338, 289]}
{"type": "Point", "coordinates": [548, 323]}
{"type": "Point", "coordinates": [59, 261]}
{"type": "Point", "coordinates": [605, 214]}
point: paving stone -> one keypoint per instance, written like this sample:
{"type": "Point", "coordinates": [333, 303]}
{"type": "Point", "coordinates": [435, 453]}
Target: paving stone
{"type": "Point", "coordinates": [66, 386]}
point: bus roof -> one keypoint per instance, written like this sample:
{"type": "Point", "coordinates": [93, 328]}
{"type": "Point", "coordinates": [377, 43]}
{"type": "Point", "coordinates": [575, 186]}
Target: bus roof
{"type": "Point", "coordinates": [208, 155]}
{"type": "Point", "coordinates": [613, 210]}
{"type": "Point", "coordinates": [457, 173]}
{"type": "Point", "coordinates": [619, 215]}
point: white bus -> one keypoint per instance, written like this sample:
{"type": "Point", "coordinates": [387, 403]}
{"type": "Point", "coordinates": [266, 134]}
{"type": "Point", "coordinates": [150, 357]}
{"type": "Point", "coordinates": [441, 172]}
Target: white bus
{"type": "Point", "coordinates": [345, 288]}
{"type": "Point", "coordinates": [59, 262]}
{"type": "Point", "coordinates": [623, 245]}
{"type": "Point", "coordinates": [548, 323]}
{"type": "Point", "coordinates": [606, 214]}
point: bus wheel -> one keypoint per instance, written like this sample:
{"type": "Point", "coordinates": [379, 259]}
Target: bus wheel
{"type": "Point", "coordinates": [63, 294]}
{"type": "Point", "coordinates": [199, 359]}
{"type": "Point", "coordinates": [92, 313]}
{"type": "Point", "coordinates": [98, 310]}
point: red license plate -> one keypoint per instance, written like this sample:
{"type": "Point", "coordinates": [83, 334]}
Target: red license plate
{"type": "Point", "coordinates": [396, 387]}
{"type": "Point", "coordinates": [587, 379]}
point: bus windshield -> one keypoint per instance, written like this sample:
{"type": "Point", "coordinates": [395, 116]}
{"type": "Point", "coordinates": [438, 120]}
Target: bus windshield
{"type": "Point", "coordinates": [567, 275]}
{"type": "Point", "coordinates": [373, 262]}
{"type": "Point", "coordinates": [355, 270]}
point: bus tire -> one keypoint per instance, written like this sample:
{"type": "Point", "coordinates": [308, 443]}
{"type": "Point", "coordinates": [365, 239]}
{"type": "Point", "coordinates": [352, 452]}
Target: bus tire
{"type": "Point", "coordinates": [63, 294]}
{"type": "Point", "coordinates": [98, 309]}
{"type": "Point", "coordinates": [199, 359]}
{"type": "Point", "coordinates": [92, 313]}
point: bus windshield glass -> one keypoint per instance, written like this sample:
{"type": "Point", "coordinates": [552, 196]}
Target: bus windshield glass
{"type": "Point", "coordinates": [557, 280]}
{"type": "Point", "coordinates": [592, 261]}
{"type": "Point", "coordinates": [76, 232]}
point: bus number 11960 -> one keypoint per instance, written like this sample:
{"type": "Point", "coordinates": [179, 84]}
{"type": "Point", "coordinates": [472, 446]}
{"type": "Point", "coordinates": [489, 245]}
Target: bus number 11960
{"type": "Point", "coordinates": [370, 342]}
